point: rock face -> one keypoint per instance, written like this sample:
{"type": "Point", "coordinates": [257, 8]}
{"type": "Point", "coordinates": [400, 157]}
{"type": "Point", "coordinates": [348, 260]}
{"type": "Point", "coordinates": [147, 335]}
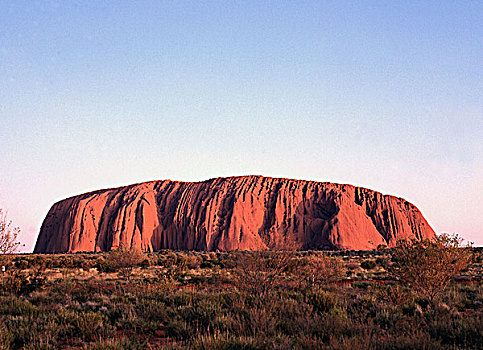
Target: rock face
{"type": "Point", "coordinates": [244, 213]}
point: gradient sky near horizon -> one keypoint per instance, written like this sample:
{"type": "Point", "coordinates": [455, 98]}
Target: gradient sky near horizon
{"type": "Point", "coordinates": [382, 94]}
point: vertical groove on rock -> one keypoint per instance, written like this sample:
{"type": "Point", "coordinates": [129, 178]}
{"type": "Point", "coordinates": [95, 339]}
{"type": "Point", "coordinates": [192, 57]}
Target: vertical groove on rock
{"type": "Point", "coordinates": [250, 212]}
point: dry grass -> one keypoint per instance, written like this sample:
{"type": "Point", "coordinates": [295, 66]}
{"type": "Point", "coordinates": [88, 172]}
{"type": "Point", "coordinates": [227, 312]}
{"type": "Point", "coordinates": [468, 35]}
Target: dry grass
{"type": "Point", "coordinates": [271, 300]}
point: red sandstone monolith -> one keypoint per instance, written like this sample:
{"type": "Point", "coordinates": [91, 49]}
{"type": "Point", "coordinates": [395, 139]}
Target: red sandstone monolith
{"type": "Point", "coordinates": [235, 213]}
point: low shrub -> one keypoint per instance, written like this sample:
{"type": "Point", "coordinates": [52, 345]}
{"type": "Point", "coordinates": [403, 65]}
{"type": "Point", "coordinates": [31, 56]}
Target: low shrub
{"type": "Point", "coordinates": [263, 302]}
{"type": "Point", "coordinates": [121, 260]}
{"type": "Point", "coordinates": [429, 266]}
{"type": "Point", "coordinates": [368, 264]}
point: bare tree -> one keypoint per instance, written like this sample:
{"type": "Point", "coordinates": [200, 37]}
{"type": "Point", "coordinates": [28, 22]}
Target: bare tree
{"type": "Point", "coordinates": [8, 235]}
{"type": "Point", "coordinates": [322, 269]}
{"type": "Point", "coordinates": [260, 272]}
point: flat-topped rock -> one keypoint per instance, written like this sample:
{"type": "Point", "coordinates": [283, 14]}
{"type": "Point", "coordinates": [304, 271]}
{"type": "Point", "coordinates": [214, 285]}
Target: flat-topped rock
{"type": "Point", "coordinates": [234, 213]}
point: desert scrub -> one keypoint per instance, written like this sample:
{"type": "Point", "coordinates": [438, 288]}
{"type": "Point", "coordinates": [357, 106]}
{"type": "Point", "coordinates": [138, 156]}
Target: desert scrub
{"type": "Point", "coordinates": [259, 273]}
{"type": "Point", "coordinates": [118, 344]}
{"type": "Point", "coordinates": [224, 340]}
{"type": "Point", "coordinates": [430, 266]}
{"type": "Point", "coordinates": [320, 270]}
{"type": "Point", "coordinates": [321, 300]}
{"type": "Point", "coordinates": [153, 309]}
{"type": "Point", "coordinates": [21, 282]}
{"type": "Point", "coordinates": [368, 264]}
{"type": "Point", "coordinates": [121, 260]}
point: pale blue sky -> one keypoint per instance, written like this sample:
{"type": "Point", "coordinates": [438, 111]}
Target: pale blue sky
{"type": "Point", "coordinates": [382, 94]}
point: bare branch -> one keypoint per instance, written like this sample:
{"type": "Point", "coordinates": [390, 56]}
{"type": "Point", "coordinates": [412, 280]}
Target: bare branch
{"type": "Point", "coordinates": [8, 235]}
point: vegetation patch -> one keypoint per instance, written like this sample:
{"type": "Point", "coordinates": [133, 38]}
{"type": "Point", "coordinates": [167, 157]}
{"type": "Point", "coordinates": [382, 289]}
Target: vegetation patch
{"type": "Point", "coordinates": [244, 300]}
